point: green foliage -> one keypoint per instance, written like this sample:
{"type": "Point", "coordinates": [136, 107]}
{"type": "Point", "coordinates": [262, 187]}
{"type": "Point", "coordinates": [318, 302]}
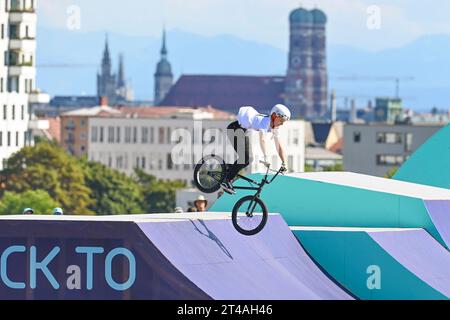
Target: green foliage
{"type": "Point", "coordinates": [48, 167]}
{"type": "Point", "coordinates": [113, 192]}
{"type": "Point", "coordinates": [336, 168]}
{"type": "Point", "coordinates": [159, 195]}
{"type": "Point", "coordinates": [39, 200]}
{"type": "Point", "coordinates": [391, 173]}
{"type": "Point", "coordinates": [79, 186]}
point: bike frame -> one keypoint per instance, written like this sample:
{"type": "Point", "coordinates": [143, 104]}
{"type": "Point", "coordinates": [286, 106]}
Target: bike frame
{"type": "Point", "coordinates": [259, 184]}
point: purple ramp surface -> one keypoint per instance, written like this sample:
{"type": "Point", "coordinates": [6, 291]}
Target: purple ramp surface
{"type": "Point", "coordinates": [227, 265]}
{"type": "Point", "coordinates": [420, 253]}
{"type": "Point", "coordinates": [439, 211]}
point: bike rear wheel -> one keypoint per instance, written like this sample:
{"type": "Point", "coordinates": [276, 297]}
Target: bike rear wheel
{"type": "Point", "coordinates": [209, 174]}
{"type": "Point", "coordinates": [249, 215]}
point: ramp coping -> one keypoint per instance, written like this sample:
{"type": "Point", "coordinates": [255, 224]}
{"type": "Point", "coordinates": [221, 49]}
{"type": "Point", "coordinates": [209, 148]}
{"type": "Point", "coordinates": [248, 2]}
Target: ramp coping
{"type": "Point", "coordinates": [378, 184]}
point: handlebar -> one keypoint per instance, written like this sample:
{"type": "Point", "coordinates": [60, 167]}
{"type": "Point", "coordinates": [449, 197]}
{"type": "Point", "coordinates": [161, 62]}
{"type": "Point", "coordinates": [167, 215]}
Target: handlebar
{"type": "Point", "coordinates": [267, 165]}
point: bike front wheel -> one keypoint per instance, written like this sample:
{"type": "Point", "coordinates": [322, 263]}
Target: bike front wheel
{"type": "Point", "coordinates": [209, 174]}
{"type": "Point", "coordinates": [249, 215]}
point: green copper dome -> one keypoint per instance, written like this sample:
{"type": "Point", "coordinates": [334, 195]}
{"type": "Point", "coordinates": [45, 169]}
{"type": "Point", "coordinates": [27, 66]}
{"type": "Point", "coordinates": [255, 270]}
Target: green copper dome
{"type": "Point", "coordinates": [301, 16]}
{"type": "Point", "coordinates": [319, 16]}
{"type": "Point", "coordinates": [163, 68]}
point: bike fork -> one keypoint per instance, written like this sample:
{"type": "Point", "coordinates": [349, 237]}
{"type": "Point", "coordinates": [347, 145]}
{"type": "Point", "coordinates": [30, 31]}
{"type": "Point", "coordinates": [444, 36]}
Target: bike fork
{"type": "Point", "coordinates": [252, 205]}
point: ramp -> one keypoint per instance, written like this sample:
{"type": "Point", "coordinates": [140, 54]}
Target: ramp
{"type": "Point", "coordinates": [352, 200]}
{"type": "Point", "coordinates": [170, 257]}
{"type": "Point", "coordinates": [429, 164]}
{"type": "Point", "coordinates": [439, 211]}
{"type": "Point", "coordinates": [227, 265]}
{"type": "Point", "coordinates": [381, 263]}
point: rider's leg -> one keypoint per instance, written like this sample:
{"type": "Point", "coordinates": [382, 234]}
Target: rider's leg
{"type": "Point", "coordinates": [240, 142]}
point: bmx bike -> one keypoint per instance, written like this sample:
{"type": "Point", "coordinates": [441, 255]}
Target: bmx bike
{"type": "Point", "coordinates": [250, 214]}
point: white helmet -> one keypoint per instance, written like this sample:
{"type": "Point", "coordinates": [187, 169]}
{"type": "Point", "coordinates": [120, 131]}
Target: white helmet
{"type": "Point", "coordinates": [281, 111]}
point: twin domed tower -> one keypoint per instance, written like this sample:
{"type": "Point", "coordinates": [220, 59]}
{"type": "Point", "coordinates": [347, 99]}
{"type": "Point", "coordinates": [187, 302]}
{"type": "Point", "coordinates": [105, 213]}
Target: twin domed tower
{"type": "Point", "coordinates": [306, 88]}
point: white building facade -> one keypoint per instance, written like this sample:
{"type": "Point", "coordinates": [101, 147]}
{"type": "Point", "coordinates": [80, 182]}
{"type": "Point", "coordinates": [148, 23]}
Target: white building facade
{"type": "Point", "coordinates": [148, 143]}
{"type": "Point", "coordinates": [18, 21]}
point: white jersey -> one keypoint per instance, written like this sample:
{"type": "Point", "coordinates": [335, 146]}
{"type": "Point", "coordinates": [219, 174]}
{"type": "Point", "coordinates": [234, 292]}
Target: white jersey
{"type": "Point", "coordinates": [249, 118]}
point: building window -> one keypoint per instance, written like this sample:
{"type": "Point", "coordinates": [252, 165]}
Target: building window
{"type": "Point", "coordinates": [13, 114]}
{"type": "Point", "coordinates": [143, 162]}
{"type": "Point", "coordinates": [17, 139]}
{"type": "Point", "coordinates": [356, 137]}
{"type": "Point", "coordinates": [152, 135]}
{"type": "Point", "coordinates": [144, 135]}
{"type": "Point", "coordinates": [22, 112]}
{"type": "Point", "coordinates": [5, 114]}
{"type": "Point", "coordinates": [169, 162]}
{"type": "Point", "coordinates": [135, 135]}
{"type": "Point", "coordinates": [111, 131]}
{"type": "Point", "coordinates": [169, 132]}
{"type": "Point", "coordinates": [390, 160]}
{"type": "Point", "coordinates": [1, 138]}
{"type": "Point", "coordinates": [101, 134]}
{"type": "Point", "coordinates": [296, 138]}
{"type": "Point", "coordinates": [2, 84]}
{"type": "Point", "coordinates": [408, 142]}
{"type": "Point", "coordinates": [94, 134]}
{"type": "Point", "coordinates": [118, 134]}
{"type": "Point", "coordinates": [127, 134]}
{"type": "Point", "coordinates": [83, 123]}
{"type": "Point", "coordinates": [161, 136]}
{"type": "Point", "coordinates": [83, 149]}
{"type": "Point", "coordinates": [13, 84]}
{"type": "Point", "coordinates": [389, 138]}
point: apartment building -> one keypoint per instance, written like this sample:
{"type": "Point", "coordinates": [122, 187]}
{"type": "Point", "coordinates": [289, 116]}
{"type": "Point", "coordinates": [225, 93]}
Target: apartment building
{"type": "Point", "coordinates": [18, 21]}
{"type": "Point", "coordinates": [377, 148]}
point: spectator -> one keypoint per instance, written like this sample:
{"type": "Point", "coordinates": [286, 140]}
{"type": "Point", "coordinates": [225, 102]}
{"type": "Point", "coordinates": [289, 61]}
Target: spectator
{"type": "Point", "coordinates": [178, 210]}
{"type": "Point", "coordinates": [28, 211]}
{"type": "Point", "coordinates": [58, 212]}
{"type": "Point", "coordinates": [201, 203]}
{"type": "Point", "coordinates": [192, 209]}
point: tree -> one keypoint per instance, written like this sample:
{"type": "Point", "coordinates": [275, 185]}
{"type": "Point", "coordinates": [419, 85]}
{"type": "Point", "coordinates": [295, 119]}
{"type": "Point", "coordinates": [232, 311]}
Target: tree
{"type": "Point", "coordinates": [48, 167]}
{"type": "Point", "coordinates": [335, 168]}
{"type": "Point", "coordinates": [159, 195]}
{"type": "Point", "coordinates": [112, 192]}
{"type": "Point", "coordinates": [391, 173]}
{"type": "Point", "coordinates": [39, 200]}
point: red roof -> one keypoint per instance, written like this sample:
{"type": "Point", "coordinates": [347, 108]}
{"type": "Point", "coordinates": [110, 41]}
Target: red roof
{"type": "Point", "coordinates": [227, 92]}
{"type": "Point", "coordinates": [156, 112]}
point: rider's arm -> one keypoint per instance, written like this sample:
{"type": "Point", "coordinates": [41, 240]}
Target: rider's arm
{"type": "Point", "coordinates": [280, 149]}
{"type": "Point", "coordinates": [262, 143]}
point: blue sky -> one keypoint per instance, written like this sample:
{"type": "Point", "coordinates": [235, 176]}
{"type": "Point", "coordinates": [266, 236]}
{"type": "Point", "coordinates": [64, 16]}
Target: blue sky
{"type": "Point", "coordinates": [401, 21]}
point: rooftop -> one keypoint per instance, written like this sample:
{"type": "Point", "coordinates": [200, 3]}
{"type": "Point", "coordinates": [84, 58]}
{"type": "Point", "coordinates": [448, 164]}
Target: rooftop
{"type": "Point", "coordinates": [227, 92]}
{"type": "Point", "coordinates": [90, 112]}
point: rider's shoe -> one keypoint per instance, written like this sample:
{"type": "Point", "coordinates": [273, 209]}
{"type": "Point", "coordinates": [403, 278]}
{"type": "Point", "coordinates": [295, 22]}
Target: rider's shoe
{"type": "Point", "coordinates": [228, 188]}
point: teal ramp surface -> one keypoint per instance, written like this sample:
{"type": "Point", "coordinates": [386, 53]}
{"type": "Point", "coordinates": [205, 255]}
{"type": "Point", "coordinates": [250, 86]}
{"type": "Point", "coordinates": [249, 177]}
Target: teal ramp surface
{"type": "Point", "coordinates": [343, 199]}
{"type": "Point", "coordinates": [430, 164]}
{"type": "Point", "coordinates": [380, 264]}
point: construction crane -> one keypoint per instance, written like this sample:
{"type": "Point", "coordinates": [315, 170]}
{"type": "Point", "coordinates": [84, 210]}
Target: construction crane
{"type": "Point", "coordinates": [66, 65]}
{"type": "Point", "coordinates": [396, 79]}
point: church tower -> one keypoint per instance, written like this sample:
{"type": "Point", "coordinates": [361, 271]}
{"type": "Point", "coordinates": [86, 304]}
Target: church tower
{"type": "Point", "coordinates": [106, 80]}
{"type": "Point", "coordinates": [163, 75]}
{"type": "Point", "coordinates": [306, 79]}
